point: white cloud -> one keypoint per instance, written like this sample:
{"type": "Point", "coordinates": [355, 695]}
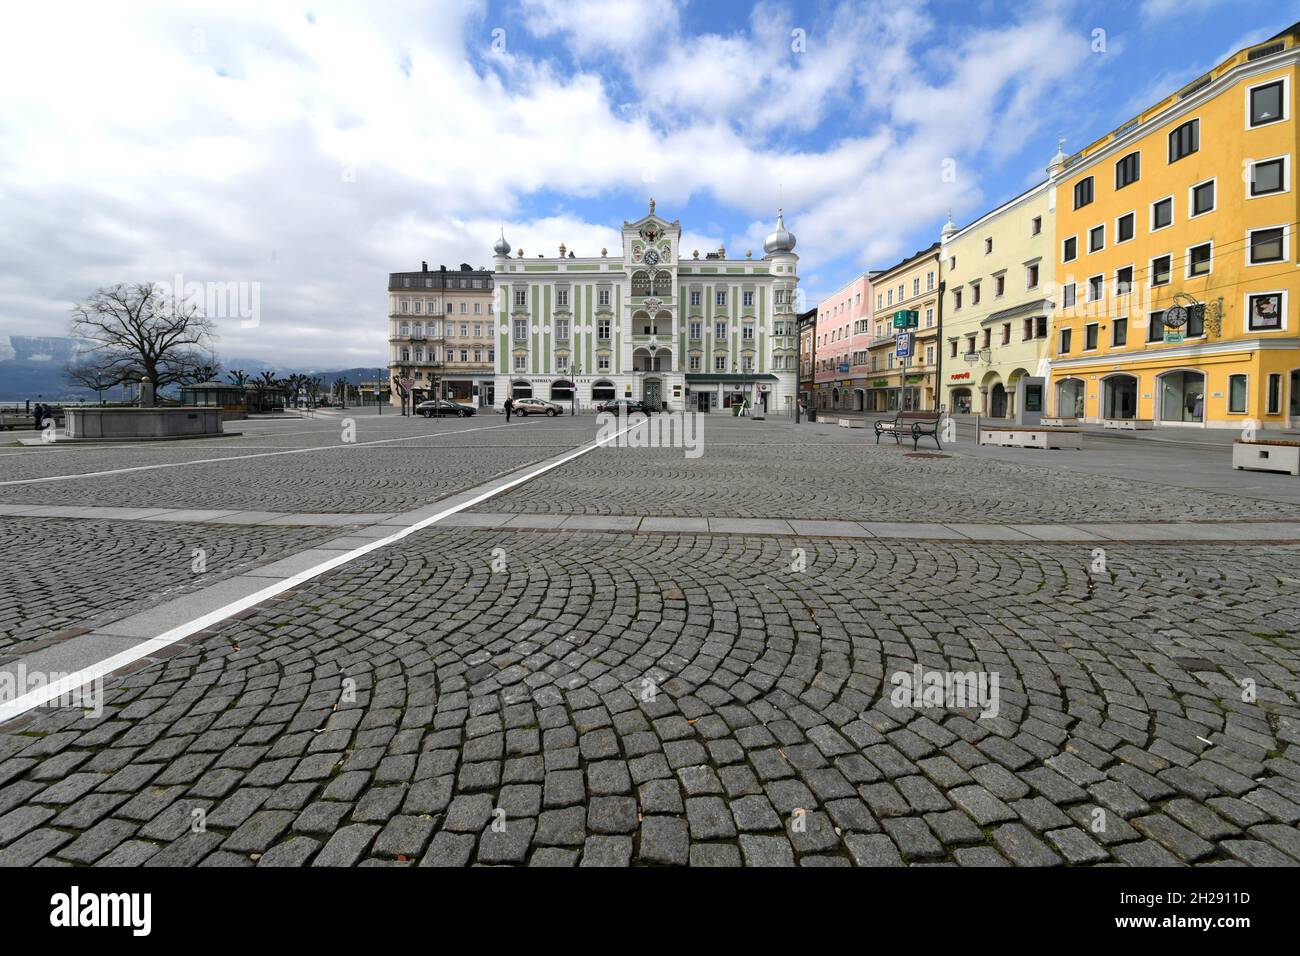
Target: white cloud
{"type": "Point", "coordinates": [241, 141]}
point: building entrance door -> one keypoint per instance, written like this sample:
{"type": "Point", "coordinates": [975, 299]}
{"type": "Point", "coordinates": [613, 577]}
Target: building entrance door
{"type": "Point", "coordinates": [651, 392]}
{"type": "Point", "coordinates": [703, 400]}
{"type": "Point", "coordinates": [998, 402]}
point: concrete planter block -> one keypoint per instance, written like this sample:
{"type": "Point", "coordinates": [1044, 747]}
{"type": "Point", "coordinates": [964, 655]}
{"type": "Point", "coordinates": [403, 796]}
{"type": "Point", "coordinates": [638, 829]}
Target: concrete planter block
{"type": "Point", "coordinates": [1032, 437]}
{"type": "Point", "coordinates": [1262, 455]}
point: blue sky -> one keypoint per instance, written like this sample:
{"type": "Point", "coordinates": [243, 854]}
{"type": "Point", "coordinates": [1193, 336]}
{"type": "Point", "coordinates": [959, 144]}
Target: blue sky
{"type": "Point", "coordinates": [312, 148]}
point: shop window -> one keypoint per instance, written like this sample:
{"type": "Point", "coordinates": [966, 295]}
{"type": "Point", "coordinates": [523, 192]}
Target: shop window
{"type": "Point", "coordinates": [1237, 394]}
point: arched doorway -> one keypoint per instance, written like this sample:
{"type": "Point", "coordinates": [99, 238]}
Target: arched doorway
{"type": "Point", "coordinates": [998, 401]}
{"type": "Point", "coordinates": [1069, 398]}
{"type": "Point", "coordinates": [1119, 396]}
{"type": "Point", "coordinates": [1182, 396]}
{"type": "Point", "coordinates": [835, 399]}
{"type": "Point", "coordinates": [858, 395]}
{"type": "Point", "coordinates": [561, 391]}
{"type": "Point", "coordinates": [602, 391]}
{"type": "Point", "coordinates": [521, 390]}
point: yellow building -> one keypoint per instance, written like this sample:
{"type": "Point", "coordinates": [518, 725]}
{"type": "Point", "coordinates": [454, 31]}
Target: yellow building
{"type": "Point", "coordinates": [997, 277]}
{"type": "Point", "coordinates": [1175, 266]}
{"type": "Point", "coordinates": [912, 285]}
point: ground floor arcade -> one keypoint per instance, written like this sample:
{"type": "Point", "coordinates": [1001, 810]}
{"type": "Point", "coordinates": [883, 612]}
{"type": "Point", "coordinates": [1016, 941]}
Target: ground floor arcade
{"type": "Point", "coordinates": [1194, 388]}
{"type": "Point", "coordinates": [1009, 393]}
{"type": "Point", "coordinates": [669, 391]}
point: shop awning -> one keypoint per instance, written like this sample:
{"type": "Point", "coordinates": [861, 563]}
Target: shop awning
{"type": "Point", "coordinates": [701, 378]}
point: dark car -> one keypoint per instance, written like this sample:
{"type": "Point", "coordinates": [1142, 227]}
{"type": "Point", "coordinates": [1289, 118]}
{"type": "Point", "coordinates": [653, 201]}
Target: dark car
{"type": "Point", "coordinates": [443, 408]}
{"type": "Point", "coordinates": [626, 407]}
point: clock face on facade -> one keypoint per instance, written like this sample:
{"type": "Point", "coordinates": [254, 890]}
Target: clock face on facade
{"type": "Point", "coordinates": [652, 258]}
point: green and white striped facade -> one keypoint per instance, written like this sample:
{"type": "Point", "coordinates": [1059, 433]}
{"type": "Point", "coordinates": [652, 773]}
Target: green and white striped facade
{"type": "Point", "coordinates": [649, 324]}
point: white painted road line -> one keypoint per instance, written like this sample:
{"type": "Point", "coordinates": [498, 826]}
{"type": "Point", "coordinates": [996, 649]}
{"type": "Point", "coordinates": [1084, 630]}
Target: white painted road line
{"type": "Point", "coordinates": [66, 685]}
{"type": "Point", "coordinates": [265, 454]}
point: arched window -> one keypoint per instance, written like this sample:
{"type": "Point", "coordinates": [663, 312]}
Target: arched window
{"type": "Point", "coordinates": [1069, 398]}
{"type": "Point", "coordinates": [1182, 396]}
{"type": "Point", "coordinates": [1119, 395]}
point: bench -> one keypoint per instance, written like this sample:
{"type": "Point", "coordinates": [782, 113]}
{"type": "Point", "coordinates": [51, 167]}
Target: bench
{"type": "Point", "coordinates": [1034, 437]}
{"type": "Point", "coordinates": [1266, 454]}
{"type": "Point", "coordinates": [1128, 424]}
{"type": "Point", "coordinates": [852, 423]}
{"type": "Point", "coordinates": [914, 425]}
{"type": "Point", "coordinates": [1061, 422]}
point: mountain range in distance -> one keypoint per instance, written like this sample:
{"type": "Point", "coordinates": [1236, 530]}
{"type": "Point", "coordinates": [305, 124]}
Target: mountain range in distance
{"type": "Point", "coordinates": [31, 369]}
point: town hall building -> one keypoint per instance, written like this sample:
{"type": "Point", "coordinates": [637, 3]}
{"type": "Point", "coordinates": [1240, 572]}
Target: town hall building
{"type": "Point", "coordinates": [697, 333]}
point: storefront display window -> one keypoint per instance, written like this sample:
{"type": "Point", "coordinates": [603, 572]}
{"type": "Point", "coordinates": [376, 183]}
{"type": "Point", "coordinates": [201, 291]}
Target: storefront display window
{"type": "Point", "coordinates": [1182, 397]}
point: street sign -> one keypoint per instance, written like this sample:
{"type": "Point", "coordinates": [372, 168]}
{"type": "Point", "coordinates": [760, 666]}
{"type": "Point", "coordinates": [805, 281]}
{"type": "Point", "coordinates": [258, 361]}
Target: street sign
{"type": "Point", "coordinates": [903, 344]}
{"type": "Point", "coordinates": [407, 382]}
{"type": "Point", "coordinates": [1173, 338]}
{"type": "Point", "coordinates": [905, 319]}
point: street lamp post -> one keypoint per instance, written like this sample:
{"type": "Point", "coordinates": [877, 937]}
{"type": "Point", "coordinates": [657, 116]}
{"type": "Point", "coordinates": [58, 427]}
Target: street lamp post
{"type": "Point", "coordinates": [573, 391]}
{"type": "Point", "coordinates": [437, 389]}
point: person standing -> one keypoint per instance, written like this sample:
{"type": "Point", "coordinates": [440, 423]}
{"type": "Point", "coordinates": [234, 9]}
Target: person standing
{"type": "Point", "coordinates": [39, 411]}
{"type": "Point", "coordinates": [510, 405]}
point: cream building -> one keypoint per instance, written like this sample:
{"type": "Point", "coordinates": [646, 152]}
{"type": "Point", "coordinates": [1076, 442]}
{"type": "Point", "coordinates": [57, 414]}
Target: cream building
{"type": "Point", "coordinates": [442, 331]}
{"type": "Point", "coordinates": [998, 276]}
{"type": "Point", "coordinates": [912, 285]}
{"type": "Point", "coordinates": [650, 322]}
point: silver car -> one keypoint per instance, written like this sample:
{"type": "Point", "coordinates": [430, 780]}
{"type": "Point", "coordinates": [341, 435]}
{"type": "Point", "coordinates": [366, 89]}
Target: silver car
{"type": "Point", "coordinates": [536, 406]}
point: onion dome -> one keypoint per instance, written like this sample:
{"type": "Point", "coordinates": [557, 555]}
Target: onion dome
{"type": "Point", "coordinates": [782, 240]}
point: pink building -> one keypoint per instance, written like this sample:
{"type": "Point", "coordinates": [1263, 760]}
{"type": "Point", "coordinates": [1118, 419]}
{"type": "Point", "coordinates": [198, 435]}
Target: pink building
{"type": "Point", "coordinates": [841, 365]}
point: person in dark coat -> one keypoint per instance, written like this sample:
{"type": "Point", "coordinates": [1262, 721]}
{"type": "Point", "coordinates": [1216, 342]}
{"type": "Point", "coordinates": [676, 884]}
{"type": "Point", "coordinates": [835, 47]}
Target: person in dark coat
{"type": "Point", "coordinates": [510, 405]}
{"type": "Point", "coordinates": [39, 411]}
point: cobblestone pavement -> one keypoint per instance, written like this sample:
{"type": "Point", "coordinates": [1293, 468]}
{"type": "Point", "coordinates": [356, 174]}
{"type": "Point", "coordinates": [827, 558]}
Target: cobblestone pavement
{"type": "Point", "coordinates": [608, 699]}
{"type": "Point", "coordinates": [856, 481]}
{"type": "Point", "coordinates": [334, 478]}
{"type": "Point", "coordinates": [60, 573]}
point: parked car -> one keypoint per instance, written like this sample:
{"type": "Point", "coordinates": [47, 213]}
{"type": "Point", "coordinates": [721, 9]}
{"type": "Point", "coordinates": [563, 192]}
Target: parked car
{"type": "Point", "coordinates": [626, 407]}
{"type": "Point", "coordinates": [443, 408]}
{"type": "Point", "coordinates": [537, 406]}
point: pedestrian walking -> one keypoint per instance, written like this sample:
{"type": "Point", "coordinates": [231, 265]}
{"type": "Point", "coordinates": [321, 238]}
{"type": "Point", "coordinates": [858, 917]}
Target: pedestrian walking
{"type": "Point", "coordinates": [510, 405]}
{"type": "Point", "coordinates": [39, 411]}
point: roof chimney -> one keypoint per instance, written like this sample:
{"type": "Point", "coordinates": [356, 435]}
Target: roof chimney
{"type": "Point", "coordinates": [424, 266]}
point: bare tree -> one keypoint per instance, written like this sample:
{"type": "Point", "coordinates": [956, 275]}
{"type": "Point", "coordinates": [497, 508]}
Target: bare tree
{"type": "Point", "coordinates": [130, 332]}
{"type": "Point", "coordinates": [238, 376]}
{"type": "Point", "coordinates": [264, 383]}
{"type": "Point", "coordinates": [402, 390]}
